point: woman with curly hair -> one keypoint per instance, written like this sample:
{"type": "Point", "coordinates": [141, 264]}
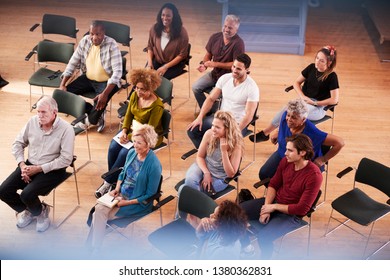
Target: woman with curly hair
{"type": "Point", "coordinates": [222, 231]}
{"type": "Point", "coordinates": [144, 108]}
{"type": "Point", "coordinates": [218, 157]}
{"type": "Point", "coordinates": [168, 43]}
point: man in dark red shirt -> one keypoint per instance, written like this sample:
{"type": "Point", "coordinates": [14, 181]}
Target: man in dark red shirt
{"type": "Point", "coordinates": [290, 194]}
{"type": "Point", "coordinates": [221, 50]}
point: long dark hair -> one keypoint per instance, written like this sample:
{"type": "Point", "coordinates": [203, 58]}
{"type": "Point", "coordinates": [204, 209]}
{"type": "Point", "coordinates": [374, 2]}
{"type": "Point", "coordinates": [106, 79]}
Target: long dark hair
{"type": "Point", "coordinates": [176, 21]}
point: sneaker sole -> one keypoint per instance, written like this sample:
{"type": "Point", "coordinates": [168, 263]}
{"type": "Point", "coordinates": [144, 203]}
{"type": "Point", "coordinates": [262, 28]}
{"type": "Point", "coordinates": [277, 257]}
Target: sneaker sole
{"type": "Point", "coordinates": [43, 229]}
{"type": "Point", "coordinates": [24, 225]}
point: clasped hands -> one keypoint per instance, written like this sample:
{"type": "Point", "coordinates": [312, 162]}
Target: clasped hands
{"type": "Point", "coordinates": [27, 171]}
{"type": "Point", "coordinates": [265, 213]}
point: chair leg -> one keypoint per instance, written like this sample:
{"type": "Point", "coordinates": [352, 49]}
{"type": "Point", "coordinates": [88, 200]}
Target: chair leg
{"type": "Point", "coordinates": [170, 161]}
{"type": "Point", "coordinates": [325, 185]}
{"type": "Point", "coordinates": [89, 153]}
{"type": "Point", "coordinates": [74, 208]}
{"type": "Point", "coordinates": [377, 250]}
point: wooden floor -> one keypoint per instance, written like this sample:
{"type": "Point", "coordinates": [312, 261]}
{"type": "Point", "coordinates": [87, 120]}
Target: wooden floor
{"type": "Point", "coordinates": [362, 119]}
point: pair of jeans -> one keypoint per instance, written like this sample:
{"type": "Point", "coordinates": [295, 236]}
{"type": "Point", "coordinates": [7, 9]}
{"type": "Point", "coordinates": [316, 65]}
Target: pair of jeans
{"type": "Point", "coordinates": [203, 85]}
{"type": "Point", "coordinates": [268, 169]}
{"type": "Point", "coordinates": [84, 85]}
{"type": "Point", "coordinates": [278, 225]}
{"type": "Point", "coordinates": [194, 177]}
{"type": "Point", "coordinates": [116, 158]}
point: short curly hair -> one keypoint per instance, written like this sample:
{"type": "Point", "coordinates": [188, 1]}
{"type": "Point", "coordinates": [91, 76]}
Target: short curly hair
{"type": "Point", "coordinates": [298, 106]}
{"type": "Point", "coordinates": [147, 132]}
{"type": "Point", "coordinates": [148, 77]}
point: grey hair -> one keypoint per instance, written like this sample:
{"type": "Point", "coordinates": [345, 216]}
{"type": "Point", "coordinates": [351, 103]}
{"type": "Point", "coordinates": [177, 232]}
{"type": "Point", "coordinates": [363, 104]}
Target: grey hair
{"type": "Point", "coordinates": [233, 18]}
{"type": "Point", "coordinates": [298, 106]}
{"type": "Point", "coordinates": [98, 23]}
{"type": "Point", "coordinates": [147, 132]}
{"type": "Point", "coordinates": [49, 101]}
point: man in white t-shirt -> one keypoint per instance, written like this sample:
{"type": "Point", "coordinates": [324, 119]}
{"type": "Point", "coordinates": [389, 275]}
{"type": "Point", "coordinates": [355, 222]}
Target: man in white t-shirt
{"type": "Point", "coordinates": [240, 96]}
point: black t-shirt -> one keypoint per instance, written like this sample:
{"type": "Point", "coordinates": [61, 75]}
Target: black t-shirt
{"type": "Point", "coordinates": [319, 90]}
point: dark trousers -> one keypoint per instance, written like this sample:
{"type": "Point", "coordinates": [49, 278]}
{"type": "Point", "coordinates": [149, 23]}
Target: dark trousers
{"type": "Point", "coordinates": [172, 72]}
{"type": "Point", "coordinates": [83, 85]}
{"type": "Point", "coordinates": [41, 184]}
{"type": "Point", "coordinates": [279, 224]}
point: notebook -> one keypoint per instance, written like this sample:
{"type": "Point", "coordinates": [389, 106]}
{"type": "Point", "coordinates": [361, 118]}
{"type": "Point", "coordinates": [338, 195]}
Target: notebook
{"type": "Point", "coordinates": [107, 200]}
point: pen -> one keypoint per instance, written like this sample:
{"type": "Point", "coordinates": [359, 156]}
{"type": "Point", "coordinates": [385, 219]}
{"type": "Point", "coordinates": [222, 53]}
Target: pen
{"type": "Point", "coordinates": [113, 199]}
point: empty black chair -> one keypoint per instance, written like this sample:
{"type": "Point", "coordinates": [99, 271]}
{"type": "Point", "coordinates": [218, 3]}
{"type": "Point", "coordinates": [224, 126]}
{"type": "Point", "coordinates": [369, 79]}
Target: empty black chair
{"type": "Point", "coordinates": [358, 206]}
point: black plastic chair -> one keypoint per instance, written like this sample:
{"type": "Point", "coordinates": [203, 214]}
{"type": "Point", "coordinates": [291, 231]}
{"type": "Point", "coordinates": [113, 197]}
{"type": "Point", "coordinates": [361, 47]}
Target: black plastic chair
{"type": "Point", "coordinates": [187, 70]}
{"type": "Point", "coordinates": [73, 105]}
{"type": "Point", "coordinates": [121, 34]}
{"type": "Point", "coordinates": [177, 239]}
{"type": "Point", "coordinates": [49, 55]}
{"type": "Point", "coordinates": [165, 122]}
{"type": "Point", "coordinates": [357, 206]}
{"type": "Point", "coordinates": [57, 24]}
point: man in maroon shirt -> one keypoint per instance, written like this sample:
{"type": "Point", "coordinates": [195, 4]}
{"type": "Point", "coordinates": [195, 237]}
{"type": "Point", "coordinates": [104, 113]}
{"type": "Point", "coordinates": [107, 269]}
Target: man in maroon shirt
{"type": "Point", "coordinates": [291, 192]}
{"type": "Point", "coordinates": [221, 50]}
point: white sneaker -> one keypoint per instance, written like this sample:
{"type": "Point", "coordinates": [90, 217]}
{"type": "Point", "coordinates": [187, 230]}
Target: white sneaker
{"type": "Point", "coordinates": [83, 124]}
{"type": "Point", "coordinates": [103, 189]}
{"type": "Point", "coordinates": [23, 219]}
{"type": "Point", "coordinates": [43, 220]}
{"type": "Point", "coordinates": [101, 123]}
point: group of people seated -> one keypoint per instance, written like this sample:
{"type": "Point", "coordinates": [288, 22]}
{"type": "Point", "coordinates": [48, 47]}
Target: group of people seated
{"type": "Point", "coordinates": [294, 168]}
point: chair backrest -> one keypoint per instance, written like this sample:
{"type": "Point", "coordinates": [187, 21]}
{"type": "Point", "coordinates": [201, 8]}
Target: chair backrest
{"type": "Point", "coordinates": [69, 103]}
{"type": "Point", "coordinates": [57, 24]}
{"type": "Point", "coordinates": [164, 91]}
{"type": "Point", "coordinates": [165, 121]}
{"type": "Point", "coordinates": [118, 31]}
{"type": "Point", "coordinates": [156, 197]}
{"type": "Point", "coordinates": [374, 174]}
{"type": "Point", "coordinates": [196, 203]}
{"type": "Point", "coordinates": [48, 51]}
{"type": "Point", "coordinates": [314, 205]}
{"type": "Point", "coordinates": [187, 61]}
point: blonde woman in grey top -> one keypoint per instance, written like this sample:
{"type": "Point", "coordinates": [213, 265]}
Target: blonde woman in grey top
{"type": "Point", "coordinates": [219, 155]}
